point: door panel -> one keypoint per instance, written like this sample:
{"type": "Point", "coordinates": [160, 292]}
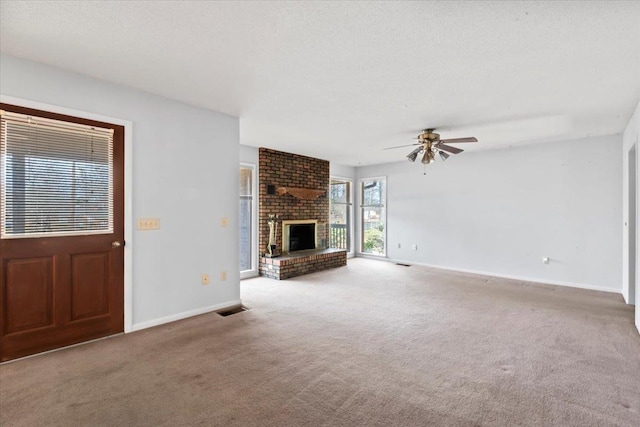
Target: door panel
{"type": "Point", "coordinates": [28, 287]}
{"type": "Point", "coordinates": [89, 285]}
{"type": "Point", "coordinates": [58, 290]}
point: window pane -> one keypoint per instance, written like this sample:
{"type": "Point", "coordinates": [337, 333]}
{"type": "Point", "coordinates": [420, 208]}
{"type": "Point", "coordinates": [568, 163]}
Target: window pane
{"type": "Point", "coordinates": [56, 180]}
{"type": "Point", "coordinates": [373, 235]}
{"type": "Point", "coordinates": [339, 192]}
{"type": "Point", "coordinates": [372, 193]}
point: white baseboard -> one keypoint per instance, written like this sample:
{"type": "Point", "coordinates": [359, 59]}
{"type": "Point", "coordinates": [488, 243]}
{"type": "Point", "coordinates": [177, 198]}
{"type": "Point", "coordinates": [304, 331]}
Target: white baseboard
{"type": "Point", "coordinates": [184, 315]}
{"type": "Point", "coordinates": [508, 276]}
{"type": "Point", "coordinates": [249, 274]}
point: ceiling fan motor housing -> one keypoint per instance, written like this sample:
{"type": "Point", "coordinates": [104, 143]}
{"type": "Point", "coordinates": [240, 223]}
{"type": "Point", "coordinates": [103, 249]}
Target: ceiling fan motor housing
{"type": "Point", "coordinates": [429, 135]}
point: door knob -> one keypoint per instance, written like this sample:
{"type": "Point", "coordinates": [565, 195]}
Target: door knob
{"type": "Point", "coordinates": [116, 244]}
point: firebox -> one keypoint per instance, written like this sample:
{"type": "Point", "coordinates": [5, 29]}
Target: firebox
{"type": "Point", "coordinates": [299, 235]}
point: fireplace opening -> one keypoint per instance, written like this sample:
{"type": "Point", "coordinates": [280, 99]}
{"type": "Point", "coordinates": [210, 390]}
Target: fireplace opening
{"type": "Point", "coordinates": [301, 237]}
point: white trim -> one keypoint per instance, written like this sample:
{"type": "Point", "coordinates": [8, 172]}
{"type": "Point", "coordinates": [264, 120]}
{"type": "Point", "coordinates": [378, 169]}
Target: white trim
{"type": "Point", "coordinates": [372, 256]}
{"type": "Point", "coordinates": [249, 274]}
{"type": "Point", "coordinates": [128, 187]}
{"type": "Point", "coordinates": [184, 315]}
{"type": "Point", "coordinates": [512, 277]}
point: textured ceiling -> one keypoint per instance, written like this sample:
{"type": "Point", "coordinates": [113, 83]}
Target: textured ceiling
{"type": "Point", "coordinates": [341, 81]}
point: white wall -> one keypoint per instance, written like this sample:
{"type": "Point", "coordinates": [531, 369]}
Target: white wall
{"type": "Point", "coordinates": [501, 211]}
{"type": "Point", "coordinates": [249, 155]}
{"type": "Point", "coordinates": [185, 172]}
{"type": "Point", "coordinates": [630, 138]}
{"type": "Point", "coordinates": [342, 171]}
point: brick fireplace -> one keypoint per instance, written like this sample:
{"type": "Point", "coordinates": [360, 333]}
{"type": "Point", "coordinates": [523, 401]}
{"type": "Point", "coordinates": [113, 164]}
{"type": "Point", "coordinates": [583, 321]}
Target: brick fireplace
{"type": "Point", "coordinates": [295, 188]}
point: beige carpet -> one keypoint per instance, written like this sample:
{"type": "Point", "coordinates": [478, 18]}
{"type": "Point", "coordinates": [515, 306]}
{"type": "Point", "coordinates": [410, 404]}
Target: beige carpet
{"type": "Point", "coordinates": [370, 344]}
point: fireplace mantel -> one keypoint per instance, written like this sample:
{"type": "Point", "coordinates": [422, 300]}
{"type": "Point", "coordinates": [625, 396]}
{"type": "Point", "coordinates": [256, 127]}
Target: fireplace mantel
{"type": "Point", "coordinates": [300, 193]}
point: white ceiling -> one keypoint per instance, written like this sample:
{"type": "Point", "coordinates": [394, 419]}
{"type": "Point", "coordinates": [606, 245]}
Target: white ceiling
{"type": "Point", "coordinates": [342, 80]}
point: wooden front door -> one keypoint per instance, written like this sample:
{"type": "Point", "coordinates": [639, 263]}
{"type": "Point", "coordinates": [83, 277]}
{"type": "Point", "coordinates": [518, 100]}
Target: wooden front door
{"type": "Point", "coordinates": [61, 246]}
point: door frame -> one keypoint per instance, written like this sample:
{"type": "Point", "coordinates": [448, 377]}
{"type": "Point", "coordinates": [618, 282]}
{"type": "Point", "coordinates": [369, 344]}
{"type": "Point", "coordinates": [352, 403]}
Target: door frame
{"type": "Point", "coordinates": [128, 187]}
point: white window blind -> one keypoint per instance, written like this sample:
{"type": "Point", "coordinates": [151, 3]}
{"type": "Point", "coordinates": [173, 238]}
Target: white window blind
{"type": "Point", "coordinates": [56, 178]}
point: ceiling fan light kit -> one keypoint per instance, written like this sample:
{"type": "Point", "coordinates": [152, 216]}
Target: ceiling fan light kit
{"type": "Point", "coordinates": [430, 144]}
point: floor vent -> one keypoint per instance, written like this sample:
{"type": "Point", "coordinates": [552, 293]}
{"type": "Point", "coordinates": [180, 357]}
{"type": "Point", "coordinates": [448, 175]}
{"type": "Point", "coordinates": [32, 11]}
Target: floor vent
{"type": "Point", "coordinates": [234, 310]}
{"type": "Point", "coordinates": [404, 265]}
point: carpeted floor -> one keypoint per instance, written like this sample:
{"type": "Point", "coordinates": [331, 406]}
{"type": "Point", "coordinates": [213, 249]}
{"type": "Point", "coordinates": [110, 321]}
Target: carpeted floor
{"type": "Point", "coordinates": [370, 344]}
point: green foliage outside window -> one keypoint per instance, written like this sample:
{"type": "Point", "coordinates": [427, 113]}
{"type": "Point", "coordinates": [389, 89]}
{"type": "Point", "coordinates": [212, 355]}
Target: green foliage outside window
{"type": "Point", "coordinates": [374, 240]}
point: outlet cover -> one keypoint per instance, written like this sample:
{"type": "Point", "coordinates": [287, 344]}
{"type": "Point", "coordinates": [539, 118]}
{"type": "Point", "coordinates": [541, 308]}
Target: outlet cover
{"type": "Point", "coordinates": [223, 276]}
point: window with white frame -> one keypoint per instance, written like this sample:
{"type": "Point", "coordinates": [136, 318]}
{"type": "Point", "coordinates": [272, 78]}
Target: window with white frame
{"type": "Point", "coordinates": [373, 216]}
{"type": "Point", "coordinates": [246, 218]}
{"type": "Point", "coordinates": [340, 214]}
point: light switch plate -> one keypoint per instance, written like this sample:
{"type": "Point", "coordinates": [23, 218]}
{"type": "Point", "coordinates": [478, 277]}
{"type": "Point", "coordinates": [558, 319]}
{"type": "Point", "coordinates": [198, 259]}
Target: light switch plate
{"type": "Point", "coordinates": [148, 224]}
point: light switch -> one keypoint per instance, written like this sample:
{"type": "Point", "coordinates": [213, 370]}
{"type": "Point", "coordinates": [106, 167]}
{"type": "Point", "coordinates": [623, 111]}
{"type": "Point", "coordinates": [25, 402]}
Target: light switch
{"type": "Point", "coordinates": [205, 279]}
{"type": "Point", "coordinates": [148, 224]}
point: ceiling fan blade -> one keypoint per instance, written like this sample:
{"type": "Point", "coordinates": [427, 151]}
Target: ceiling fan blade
{"type": "Point", "coordinates": [459, 140]}
{"type": "Point", "coordinates": [452, 150]}
{"type": "Point", "coordinates": [401, 146]}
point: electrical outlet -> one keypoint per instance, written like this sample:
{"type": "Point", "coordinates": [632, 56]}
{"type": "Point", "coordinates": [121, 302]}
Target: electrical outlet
{"type": "Point", "coordinates": [205, 279]}
{"type": "Point", "coordinates": [414, 247]}
{"type": "Point", "coordinates": [148, 224]}
{"type": "Point", "coordinates": [223, 276]}
{"type": "Point", "coordinates": [224, 222]}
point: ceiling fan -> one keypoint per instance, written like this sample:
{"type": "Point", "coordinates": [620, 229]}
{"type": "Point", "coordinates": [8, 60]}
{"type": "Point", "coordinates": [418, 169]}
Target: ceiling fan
{"type": "Point", "coordinates": [430, 144]}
